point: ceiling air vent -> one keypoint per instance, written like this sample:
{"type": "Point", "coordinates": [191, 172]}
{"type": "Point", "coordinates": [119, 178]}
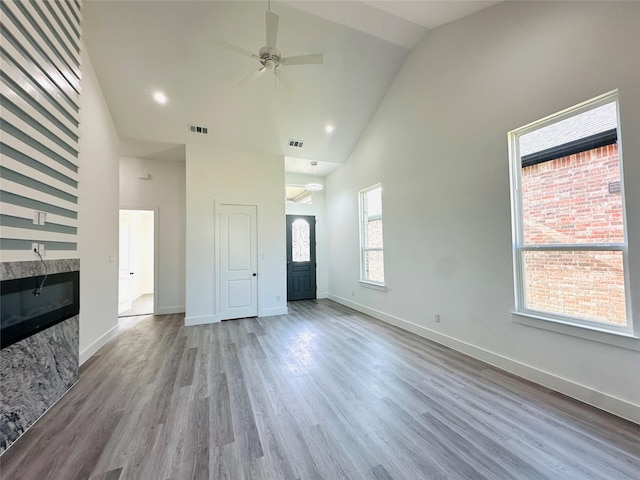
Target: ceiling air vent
{"type": "Point", "coordinates": [295, 143]}
{"type": "Point", "coordinates": [198, 129]}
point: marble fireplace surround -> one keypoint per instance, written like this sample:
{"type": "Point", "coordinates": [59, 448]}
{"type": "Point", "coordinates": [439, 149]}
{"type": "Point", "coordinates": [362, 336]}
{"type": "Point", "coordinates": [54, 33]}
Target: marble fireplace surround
{"type": "Point", "coordinates": [37, 371]}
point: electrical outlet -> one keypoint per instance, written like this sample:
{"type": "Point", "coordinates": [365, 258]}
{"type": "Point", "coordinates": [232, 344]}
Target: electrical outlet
{"type": "Point", "coordinates": [34, 247]}
{"type": "Point", "coordinates": [278, 298]}
{"type": "Point", "coordinates": [42, 218]}
{"type": "Point", "coordinates": [353, 293]}
{"type": "Point", "coordinates": [36, 217]}
{"type": "Point", "coordinates": [436, 317]}
{"type": "Point", "coordinates": [41, 249]}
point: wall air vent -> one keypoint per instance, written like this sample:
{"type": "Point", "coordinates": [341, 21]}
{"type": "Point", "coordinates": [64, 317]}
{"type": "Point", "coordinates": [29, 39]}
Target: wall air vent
{"type": "Point", "coordinates": [615, 187]}
{"type": "Point", "coordinates": [295, 143]}
{"type": "Point", "coordinates": [198, 129]}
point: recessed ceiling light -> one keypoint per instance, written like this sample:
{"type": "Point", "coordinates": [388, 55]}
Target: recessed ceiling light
{"type": "Point", "coordinates": [328, 128]}
{"type": "Point", "coordinates": [160, 97]}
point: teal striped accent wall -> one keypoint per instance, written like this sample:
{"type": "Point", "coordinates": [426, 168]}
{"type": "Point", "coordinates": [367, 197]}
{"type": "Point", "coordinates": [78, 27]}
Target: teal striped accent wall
{"type": "Point", "coordinates": [39, 97]}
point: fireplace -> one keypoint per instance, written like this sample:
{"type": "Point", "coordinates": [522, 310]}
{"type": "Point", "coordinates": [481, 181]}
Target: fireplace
{"type": "Point", "coordinates": [40, 331]}
{"type": "Point", "coordinates": [30, 305]}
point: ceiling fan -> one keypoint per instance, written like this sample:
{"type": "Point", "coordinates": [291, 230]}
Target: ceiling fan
{"type": "Point", "coordinates": [269, 56]}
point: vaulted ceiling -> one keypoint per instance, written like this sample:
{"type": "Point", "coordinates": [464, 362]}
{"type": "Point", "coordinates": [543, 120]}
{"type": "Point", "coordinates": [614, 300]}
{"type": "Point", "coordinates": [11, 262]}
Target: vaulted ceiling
{"type": "Point", "coordinates": [138, 47]}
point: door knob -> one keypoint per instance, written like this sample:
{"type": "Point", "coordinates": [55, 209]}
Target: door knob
{"type": "Point", "coordinates": [255, 274]}
{"type": "Point", "coordinates": [130, 273]}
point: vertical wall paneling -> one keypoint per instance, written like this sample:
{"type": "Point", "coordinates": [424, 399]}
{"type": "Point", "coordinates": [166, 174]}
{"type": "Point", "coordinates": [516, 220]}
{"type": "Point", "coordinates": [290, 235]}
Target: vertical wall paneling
{"type": "Point", "coordinates": [39, 115]}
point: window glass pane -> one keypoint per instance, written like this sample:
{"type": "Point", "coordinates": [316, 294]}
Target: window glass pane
{"type": "Point", "coordinates": [588, 285]}
{"type": "Point", "coordinates": [591, 122]}
{"type": "Point", "coordinates": [300, 247]}
{"type": "Point", "coordinates": [573, 199]}
{"type": "Point", "coordinates": [373, 233]}
{"type": "Point", "coordinates": [373, 203]}
{"type": "Point", "coordinates": [374, 265]}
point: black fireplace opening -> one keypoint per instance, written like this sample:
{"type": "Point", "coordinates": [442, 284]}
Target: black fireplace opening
{"type": "Point", "coordinates": [30, 305]}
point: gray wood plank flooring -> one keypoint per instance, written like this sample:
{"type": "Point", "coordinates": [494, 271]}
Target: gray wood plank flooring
{"type": "Point", "coordinates": [321, 393]}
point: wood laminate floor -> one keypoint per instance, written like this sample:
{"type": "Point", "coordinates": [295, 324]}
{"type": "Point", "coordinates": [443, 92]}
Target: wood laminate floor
{"type": "Point", "coordinates": [321, 393]}
{"type": "Point", "coordinates": [143, 305]}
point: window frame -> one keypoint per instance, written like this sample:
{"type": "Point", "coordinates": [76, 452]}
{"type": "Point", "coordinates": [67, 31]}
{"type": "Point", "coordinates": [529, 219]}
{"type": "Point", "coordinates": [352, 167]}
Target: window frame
{"type": "Point", "coordinates": [592, 329]}
{"type": "Point", "coordinates": [363, 248]}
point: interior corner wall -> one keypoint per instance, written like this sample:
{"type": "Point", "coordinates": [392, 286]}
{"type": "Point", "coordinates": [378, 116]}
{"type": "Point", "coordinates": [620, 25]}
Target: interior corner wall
{"type": "Point", "coordinates": [438, 145]}
{"type": "Point", "coordinates": [164, 191]}
{"type": "Point", "coordinates": [97, 216]}
{"type": "Point", "coordinates": [224, 175]}
{"type": "Point", "coordinates": [317, 209]}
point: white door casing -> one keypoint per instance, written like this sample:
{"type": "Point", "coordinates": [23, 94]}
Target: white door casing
{"type": "Point", "coordinates": [124, 268]}
{"type": "Point", "coordinates": [238, 247]}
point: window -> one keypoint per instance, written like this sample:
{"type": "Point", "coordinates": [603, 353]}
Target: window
{"type": "Point", "coordinates": [371, 254]}
{"type": "Point", "coordinates": [570, 248]}
{"type": "Point", "coordinates": [300, 243]}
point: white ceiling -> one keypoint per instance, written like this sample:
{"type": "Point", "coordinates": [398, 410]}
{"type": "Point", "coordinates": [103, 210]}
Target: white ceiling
{"type": "Point", "coordinates": [137, 47]}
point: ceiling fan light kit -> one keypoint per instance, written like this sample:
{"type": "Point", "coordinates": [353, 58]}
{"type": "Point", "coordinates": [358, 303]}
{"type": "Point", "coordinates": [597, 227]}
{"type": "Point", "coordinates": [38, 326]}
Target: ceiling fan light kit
{"type": "Point", "coordinates": [269, 56]}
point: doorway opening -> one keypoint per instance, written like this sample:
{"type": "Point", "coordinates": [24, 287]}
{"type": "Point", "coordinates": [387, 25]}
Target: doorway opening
{"type": "Point", "coordinates": [136, 263]}
{"type": "Point", "coordinates": [301, 257]}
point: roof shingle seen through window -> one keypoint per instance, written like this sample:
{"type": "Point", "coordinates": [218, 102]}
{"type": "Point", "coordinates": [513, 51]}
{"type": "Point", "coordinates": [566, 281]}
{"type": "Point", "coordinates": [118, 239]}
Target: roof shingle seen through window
{"type": "Point", "coordinates": [579, 126]}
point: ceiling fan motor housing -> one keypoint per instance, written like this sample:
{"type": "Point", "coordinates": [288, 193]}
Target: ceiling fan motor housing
{"type": "Point", "coordinates": [269, 57]}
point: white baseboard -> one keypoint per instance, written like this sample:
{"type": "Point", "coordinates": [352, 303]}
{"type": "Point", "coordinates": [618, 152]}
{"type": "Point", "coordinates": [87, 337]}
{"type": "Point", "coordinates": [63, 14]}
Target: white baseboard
{"type": "Point", "coordinates": [170, 310]}
{"type": "Point", "coordinates": [322, 295]}
{"type": "Point", "coordinates": [88, 352]}
{"type": "Point", "coordinates": [271, 312]}
{"type": "Point", "coordinates": [600, 400]}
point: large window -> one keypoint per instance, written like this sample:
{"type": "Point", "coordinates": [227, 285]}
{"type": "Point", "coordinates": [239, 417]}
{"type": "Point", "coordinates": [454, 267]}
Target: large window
{"type": "Point", "coordinates": [371, 245]}
{"type": "Point", "coordinates": [570, 247]}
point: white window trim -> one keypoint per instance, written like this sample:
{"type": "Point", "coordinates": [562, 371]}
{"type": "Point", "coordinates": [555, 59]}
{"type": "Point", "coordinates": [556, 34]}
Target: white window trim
{"type": "Point", "coordinates": [381, 287]}
{"type": "Point", "coordinates": [366, 282]}
{"type": "Point", "coordinates": [599, 331]}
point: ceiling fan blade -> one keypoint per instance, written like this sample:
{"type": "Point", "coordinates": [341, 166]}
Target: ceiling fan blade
{"type": "Point", "coordinates": [288, 86]}
{"type": "Point", "coordinates": [272, 29]}
{"type": "Point", "coordinates": [251, 77]}
{"type": "Point", "coordinates": [302, 59]}
{"type": "Point", "coordinates": [234, 48]}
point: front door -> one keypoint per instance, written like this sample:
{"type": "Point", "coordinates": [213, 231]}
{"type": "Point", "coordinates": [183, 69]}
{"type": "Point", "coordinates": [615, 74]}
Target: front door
{"type": "Point", "coordinates": [301, 257]}
{"type": "Point", "coordinates": [238, 261]}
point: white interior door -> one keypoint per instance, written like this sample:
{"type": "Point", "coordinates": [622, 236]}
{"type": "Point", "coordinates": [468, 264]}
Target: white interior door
{"type": "Point", "coordinates": [238, 245]}
{"type": "Point", "coordinates": [124, 269]}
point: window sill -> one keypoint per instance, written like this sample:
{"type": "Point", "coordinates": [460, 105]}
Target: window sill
{"type": "Point", "coordinates": [381, 287]}
{"type": "Point", "coordinates": [619, 339]}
